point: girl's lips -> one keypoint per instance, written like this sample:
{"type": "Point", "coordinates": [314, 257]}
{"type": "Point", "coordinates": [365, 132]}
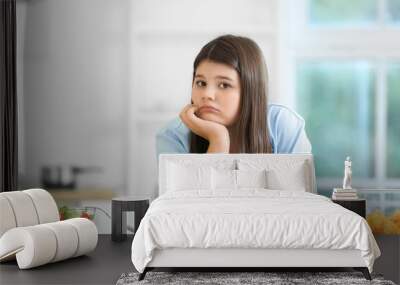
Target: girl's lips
{"type": "Point", "coordinates": [208, 109]}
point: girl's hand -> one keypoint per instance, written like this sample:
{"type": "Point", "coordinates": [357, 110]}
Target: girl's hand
{"type": "Point", "coordinates": [215, 133]}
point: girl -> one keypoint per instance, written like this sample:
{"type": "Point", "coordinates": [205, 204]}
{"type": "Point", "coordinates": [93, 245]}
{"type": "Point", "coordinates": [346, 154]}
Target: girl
{"type": "Point", "coordinates": [229, 112]}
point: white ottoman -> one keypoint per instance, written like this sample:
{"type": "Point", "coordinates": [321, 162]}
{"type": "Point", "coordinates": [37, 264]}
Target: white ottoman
{"type": "Point", "coordinates": [31, 232]}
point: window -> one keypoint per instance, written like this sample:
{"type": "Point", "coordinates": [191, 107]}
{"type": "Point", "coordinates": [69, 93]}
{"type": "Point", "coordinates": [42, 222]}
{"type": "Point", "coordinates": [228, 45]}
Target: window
{"type": "Point", "coordinates": [393, 121]}
{"type": "Point", "coordinates": [393, 11]}
{"type": "Point", "coordinates": [337, 102]}
{"type": "Point", "coordinates": [344, 63]}
{"type": "Point", "coordinates": [342, 12]}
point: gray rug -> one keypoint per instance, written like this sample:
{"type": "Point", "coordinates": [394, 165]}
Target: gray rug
{"type": "Point", "coordinates": [226, 278]}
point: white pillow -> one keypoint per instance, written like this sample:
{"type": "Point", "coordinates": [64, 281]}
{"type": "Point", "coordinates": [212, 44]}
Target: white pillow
{"type": "Point", "coordinates": [223, 179]}
{"type": "Point", "coordinates": [251, 178]}
{"type": "Point", "coordinates": [282, 174]}
{"type": "Point", "coordinates": [297, 181]}
{"type": "Point", "coordinates": [181, 177]}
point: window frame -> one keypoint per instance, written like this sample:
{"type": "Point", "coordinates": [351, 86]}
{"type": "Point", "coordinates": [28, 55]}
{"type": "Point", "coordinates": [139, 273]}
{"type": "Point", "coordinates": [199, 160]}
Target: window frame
{"type": "Point", "coordinates": [300, 42]}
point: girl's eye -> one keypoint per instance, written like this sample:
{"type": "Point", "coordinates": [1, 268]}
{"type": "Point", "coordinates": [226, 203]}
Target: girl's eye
{"type": "Point", "coordinates": [224, 85]}
{"type": "Point", "coordinates": [200, 83]}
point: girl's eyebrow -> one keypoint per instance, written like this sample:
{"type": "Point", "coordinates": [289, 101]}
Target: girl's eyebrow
{"type": "Point", "coordinates": [218, 76]}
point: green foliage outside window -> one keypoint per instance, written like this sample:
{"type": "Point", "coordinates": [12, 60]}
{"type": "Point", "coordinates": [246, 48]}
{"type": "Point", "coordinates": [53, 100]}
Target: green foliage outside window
{"type": "Point", "coordinates": [343, 12]}
{"type": "Point", "coordinates": [354, 12]}
{"type": "Point", "coordinates": [337, 102]}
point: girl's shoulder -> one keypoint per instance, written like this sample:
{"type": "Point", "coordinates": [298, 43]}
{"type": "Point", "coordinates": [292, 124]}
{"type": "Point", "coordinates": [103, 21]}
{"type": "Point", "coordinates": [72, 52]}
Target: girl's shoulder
{"type": "Point", "coordinates": [281, 117]}
{"type": "Point", "coordinates": [278, 111]}
{"type": "Point", "coordinates": [175, 132]}
{"type": "Point", "coordinates": [175, 126]}
{"type": "Point", "coordinates": [287, 130]}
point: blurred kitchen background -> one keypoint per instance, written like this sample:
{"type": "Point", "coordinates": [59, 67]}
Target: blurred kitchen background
{"type": "Point", "coordinates": [98, 78]}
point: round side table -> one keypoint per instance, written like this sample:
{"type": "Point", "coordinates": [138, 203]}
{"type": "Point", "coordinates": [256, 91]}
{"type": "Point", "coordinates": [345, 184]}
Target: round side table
{"type": "Point", "coordinates": [119, 207]}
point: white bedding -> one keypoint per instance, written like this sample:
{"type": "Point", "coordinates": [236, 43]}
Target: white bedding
{"type": "Point", "coordinates": [250, 218]}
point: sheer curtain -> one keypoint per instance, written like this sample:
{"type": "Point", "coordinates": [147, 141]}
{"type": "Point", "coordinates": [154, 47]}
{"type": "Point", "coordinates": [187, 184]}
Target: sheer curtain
{"type": "Point", "coordinates": [8, 98]}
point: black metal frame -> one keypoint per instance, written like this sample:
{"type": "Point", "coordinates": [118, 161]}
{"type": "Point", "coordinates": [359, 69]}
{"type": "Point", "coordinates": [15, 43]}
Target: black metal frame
{"type": "Point", "coordinates": [364, 270]}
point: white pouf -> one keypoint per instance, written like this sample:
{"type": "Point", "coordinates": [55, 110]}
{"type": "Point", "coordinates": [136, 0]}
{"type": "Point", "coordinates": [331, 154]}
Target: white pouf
{"type": "Point", "coordinates": [31, 232]}
{"type": "Point", "coordinates": [7, 216]}
{"type": "Point", "coordinates": [23, 208]}
{"type": "Point", "coordinates": [46, 208]}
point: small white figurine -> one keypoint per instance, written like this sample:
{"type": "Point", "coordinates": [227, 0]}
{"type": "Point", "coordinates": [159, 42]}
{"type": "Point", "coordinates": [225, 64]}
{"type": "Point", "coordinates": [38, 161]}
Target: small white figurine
{"type": "Point", "coordinates": [347, 174]}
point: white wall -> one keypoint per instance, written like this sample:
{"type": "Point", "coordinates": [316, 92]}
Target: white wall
{"type": "Point", "coordinates": [75, 88]}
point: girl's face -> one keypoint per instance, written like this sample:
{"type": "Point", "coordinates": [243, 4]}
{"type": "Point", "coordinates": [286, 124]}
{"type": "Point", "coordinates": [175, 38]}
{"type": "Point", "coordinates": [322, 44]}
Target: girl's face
{"type": "Point", "coordinates": [218, 86]}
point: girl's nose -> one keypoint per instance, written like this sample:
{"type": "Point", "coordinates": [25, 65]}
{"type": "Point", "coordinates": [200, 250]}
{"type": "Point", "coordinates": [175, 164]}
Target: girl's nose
{"type": "Point", "coordinates": [209, 93]}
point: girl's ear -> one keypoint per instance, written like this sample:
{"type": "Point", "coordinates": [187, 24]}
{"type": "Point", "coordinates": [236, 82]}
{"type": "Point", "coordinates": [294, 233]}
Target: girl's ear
{"type": "Point", "coordinates": [191, 101]}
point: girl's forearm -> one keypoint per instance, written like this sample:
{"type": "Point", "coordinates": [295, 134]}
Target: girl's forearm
{"type": "Point", "coordinates": [219, 145]}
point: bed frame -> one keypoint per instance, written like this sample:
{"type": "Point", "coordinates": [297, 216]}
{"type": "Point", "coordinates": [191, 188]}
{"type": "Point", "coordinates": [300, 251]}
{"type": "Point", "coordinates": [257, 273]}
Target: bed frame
{"type": "Point", "coordinates": [240, 259]}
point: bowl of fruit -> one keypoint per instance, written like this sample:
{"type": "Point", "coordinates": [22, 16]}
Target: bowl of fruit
{"type": "Point", "coordinates": [69, 213]}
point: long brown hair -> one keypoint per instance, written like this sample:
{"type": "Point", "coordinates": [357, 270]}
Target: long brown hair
{"type": "Point", "coordinates": [245, 56]}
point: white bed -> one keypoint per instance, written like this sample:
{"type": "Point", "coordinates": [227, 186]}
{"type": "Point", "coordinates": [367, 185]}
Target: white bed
{"type": "Point", "coordinates": [270, 217]}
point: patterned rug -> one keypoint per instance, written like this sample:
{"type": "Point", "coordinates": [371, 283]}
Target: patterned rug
{"type": "Point", "coordinates": [225, 278]}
